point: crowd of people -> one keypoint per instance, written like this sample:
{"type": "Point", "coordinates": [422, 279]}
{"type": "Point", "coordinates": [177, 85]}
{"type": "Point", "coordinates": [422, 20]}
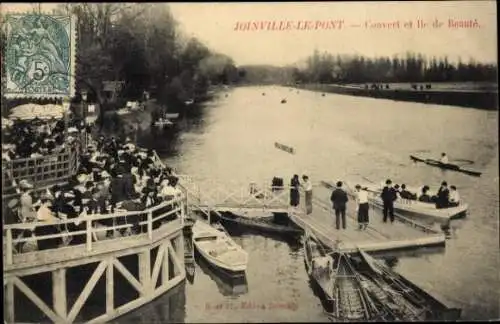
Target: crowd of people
{"type": "Point", "coordinates": [38, 138]}
{"type": "Point", "coordinates": [444, 198]}
{"type": "Point", "coordinates": [112, 176]}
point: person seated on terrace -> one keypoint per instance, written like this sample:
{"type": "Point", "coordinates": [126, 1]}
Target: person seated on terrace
{"type": "Point", "coordinates": [405, 194]}
{"type": "Point", "coordinates": [8, 152]}
{"type": "Point", "coordinates": [27, 212]}
{"type": "Point", "coordinates": [424, 197]}
{"type": "Point", "coordinates": [45, 215]}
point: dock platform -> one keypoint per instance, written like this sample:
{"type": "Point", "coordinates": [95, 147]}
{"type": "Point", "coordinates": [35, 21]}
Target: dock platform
{"type": "Point", "coordinates": [378, 237]}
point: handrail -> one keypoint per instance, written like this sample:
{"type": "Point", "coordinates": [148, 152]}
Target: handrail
{"type": "Point", "coordinates": [89, 232]}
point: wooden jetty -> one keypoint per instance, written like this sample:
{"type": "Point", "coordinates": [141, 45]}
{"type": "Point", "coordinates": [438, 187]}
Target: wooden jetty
{"type": "Point", "coordinates": [208, 195]}
{"type": "Point", "coordinates": [157, 249]}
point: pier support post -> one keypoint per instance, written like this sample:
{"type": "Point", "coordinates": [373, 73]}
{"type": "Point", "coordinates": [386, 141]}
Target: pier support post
{"type": "Point", "coordinates": [165, 268]}
{"type": "Point", "coordinates": [110, 291]}
{"type": "Point", "coordinates": [145, 272]}
{"type": "Point", "coordinates": [9, 302]}
{"type": "Point", "coordinates": [59, 292]}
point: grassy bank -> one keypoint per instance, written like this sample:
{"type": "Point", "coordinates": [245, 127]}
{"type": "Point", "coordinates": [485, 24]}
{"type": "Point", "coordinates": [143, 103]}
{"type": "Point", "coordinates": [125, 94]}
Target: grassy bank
{"type": "Point", "coordinates": [464, 95]}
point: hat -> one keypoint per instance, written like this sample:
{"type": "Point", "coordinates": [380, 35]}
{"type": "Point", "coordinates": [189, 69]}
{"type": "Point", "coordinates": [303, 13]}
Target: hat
{"type": "Point", "coordinates": [82, 177]}
{"type": "Point", "coordinates": [69, 195]}
{"type": "Point", "coordinates": [12, 203]}
{"type": "Point", "coordinates": [24, 184]}
{"type": "Point", "coordinates": [358, 186]}
{"type": "Point", "coordinates": [72, 130]}
{"type": "Point", "coordinates": [105, 174]}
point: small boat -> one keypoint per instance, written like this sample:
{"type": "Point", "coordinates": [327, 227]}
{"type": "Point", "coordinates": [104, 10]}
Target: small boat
{"type": "Point", "coordinates": [400, 297]}
{"type": "Point", "coordinates": [163, 122]}
{"type": "Point", "coordinates": [263, 224]}
{"type": "Point", "coordinates": [445, 166]}
{"type": "Point", "coordinates": [284, 147]}
{"type": "Point", "coordinates": [341, 286]}
{"type": "Point", "coordinates": [172, 116]}
{"type": "Point", "coordinates": [283, 101]}
{"type": "Point", "coordinates": [409, 207]}
{"type": "Point", "coordinates": [218, 248]}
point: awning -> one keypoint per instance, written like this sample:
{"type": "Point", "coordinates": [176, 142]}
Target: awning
{"type": "Point", "coordinates": [33, 111]}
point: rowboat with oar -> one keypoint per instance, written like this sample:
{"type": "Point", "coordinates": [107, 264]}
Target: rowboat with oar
{"type": "Point", "coordinates": [410, 207]}
{"type": "Point", "coordinates": [445, 166]}
{"type": "Point", "coordinates": [341, 287]}
{"type": "Point", "coordinates": [399, 297]}
{"type": "Point", "coordinates": [218, 248]}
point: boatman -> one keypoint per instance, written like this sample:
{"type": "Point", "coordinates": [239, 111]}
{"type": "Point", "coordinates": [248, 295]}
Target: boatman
{"type": "Point", "coordinates": [444, 158]}
{"type": "Point", "coordinates": [454, 197]}
{"type": "Point", "coordinates": [339, 200]}
{"type": "Point", "coordinates": [388, 196]}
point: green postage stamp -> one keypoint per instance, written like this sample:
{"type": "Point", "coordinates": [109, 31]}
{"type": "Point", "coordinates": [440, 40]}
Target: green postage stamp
{"type": "Point", "coordinates": [39, 56]}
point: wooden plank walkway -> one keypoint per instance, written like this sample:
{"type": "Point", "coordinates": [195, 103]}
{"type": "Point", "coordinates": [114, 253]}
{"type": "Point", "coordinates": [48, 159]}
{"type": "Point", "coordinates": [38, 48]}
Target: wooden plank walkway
{"type": "Point", "coordinates": [379, 236]}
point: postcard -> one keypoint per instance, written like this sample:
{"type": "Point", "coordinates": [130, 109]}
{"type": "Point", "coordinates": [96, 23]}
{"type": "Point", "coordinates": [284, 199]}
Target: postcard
{"type": "Point", "coordinates": [250, 162]}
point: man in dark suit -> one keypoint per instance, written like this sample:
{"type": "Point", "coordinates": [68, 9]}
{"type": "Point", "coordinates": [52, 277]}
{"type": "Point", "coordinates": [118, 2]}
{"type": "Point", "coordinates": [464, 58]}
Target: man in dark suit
{"type": "Point", "coordinates": [443, 194]}
{"type": "Point", "coordinates": [388, 197]}
{"type": "Point", "coordinates": [339, 200]}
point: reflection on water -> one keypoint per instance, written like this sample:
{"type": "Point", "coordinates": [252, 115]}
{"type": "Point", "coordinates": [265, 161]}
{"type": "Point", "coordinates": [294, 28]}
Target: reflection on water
{"type": "Point", "coordinates": [228, 285]}
{"type": "Point", "coordinates": [337, 137]}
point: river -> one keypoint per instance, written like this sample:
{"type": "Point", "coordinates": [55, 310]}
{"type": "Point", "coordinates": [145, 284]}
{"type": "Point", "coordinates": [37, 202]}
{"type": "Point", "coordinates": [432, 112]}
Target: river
{"type": "Point", "coordinates": [335, 137]}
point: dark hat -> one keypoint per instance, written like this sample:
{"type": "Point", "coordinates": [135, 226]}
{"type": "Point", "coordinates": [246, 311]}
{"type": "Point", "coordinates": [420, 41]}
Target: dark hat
{"type": "Point", "coordinates": [444, 183]}
{"type": "Point", "coordinates": [396, 186]}
{"type": "Point", "coordinates": [358, 186]}
{"type": "Point", "coordinates": [339, 183]}
{"type": "Point", "coordinates": [403, 186]}
{"type": "Point", "coordinates": [453, 187]}
{"type": "Point", "coordinates": [388, 181]}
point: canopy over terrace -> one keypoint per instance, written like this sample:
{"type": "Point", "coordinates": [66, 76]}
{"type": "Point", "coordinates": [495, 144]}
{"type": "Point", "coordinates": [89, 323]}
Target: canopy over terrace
{"type": "Point", "coordinates": [36, 111]}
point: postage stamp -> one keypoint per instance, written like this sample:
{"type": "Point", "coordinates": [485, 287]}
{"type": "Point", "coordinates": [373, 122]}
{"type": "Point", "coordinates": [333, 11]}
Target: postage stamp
{"type": "Point", "coordinates": [39, 56]}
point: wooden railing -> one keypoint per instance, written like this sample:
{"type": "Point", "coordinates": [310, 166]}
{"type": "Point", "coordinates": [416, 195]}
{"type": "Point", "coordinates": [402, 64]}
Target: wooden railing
{"type": "Point", "coordinates": [40, 170]}
{"type": "Point", "coordinates": [211, 195]}
{"type": "Point", "coordinates": [145, 221]}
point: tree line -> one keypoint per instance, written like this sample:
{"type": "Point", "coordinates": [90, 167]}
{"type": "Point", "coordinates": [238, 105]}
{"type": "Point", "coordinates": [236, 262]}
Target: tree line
{"type": "Point", "coordinates": [328, 68]}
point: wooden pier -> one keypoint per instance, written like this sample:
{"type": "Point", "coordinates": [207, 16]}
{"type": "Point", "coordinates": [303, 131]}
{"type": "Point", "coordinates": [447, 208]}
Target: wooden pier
{"type": "Point", "coordinates": [208, 195]}
{"type": "Point", "coordinates": [156, 251]}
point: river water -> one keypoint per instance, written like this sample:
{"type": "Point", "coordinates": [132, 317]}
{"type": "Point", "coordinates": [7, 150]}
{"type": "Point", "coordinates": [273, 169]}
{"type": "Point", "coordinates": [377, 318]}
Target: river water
{"type": "Point", "coordinates": [335, 137]}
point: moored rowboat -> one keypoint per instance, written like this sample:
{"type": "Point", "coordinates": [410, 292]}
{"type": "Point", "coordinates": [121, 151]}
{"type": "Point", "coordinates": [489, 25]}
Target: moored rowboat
{"type": "Point", "coordinates": [218, 248]}
{"type": "Point", "coordinates": [264, 224]}
{"type": "Point", "coordinates": [409, 207]}
{"type": "Point", "coordinates": [445, 166]}
{"type": "Point", "coordinates": [339, 282]}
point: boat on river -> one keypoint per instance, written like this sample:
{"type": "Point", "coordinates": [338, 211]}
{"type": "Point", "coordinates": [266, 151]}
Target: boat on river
{"type": "Point", "coordinates": [343, 293]}
{"type": "Point", "coordinates": [445, 166]}
{"type": "Point", "coordinates": [218, 248]}
{"type": "Point", "coordinates": [163, 122]}
{"type": "Point", "coordinates": [265, 224]}
{"type": "Point", "coordinates": [398, 297]}
{"type": "Point", "coordinates": [414, 208]}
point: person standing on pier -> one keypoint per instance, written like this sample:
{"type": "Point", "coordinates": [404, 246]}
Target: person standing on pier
{"type": "Point", "coordinates": [294, 191]}
{"type": "Point", "coordinates": [308, 189]}
{"type": "Point", "coordinates": [388, 197]}
{"type": "Point", "coordinates": [339, 200]}
{"type": "Point", "coordinates": [362, 207]}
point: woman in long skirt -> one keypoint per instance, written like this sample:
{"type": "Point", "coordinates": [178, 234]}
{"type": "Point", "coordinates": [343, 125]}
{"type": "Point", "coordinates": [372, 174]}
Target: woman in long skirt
{"type": "Point", "coordinates": [362, 201]}
{"type": "Point", "coordinates": [294, 191]}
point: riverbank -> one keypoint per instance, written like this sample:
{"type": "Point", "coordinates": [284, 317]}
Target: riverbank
{"type": "Point", "coordinates": [486, 99]}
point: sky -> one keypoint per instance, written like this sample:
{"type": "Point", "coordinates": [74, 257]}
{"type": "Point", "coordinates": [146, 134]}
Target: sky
{"type": "Point", "coordinates": [214, 24]}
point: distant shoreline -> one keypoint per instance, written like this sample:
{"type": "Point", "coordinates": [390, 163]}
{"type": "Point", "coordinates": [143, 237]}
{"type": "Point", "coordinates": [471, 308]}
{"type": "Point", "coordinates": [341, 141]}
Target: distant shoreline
{"type": "Point", "coordinates": [486, 99]}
